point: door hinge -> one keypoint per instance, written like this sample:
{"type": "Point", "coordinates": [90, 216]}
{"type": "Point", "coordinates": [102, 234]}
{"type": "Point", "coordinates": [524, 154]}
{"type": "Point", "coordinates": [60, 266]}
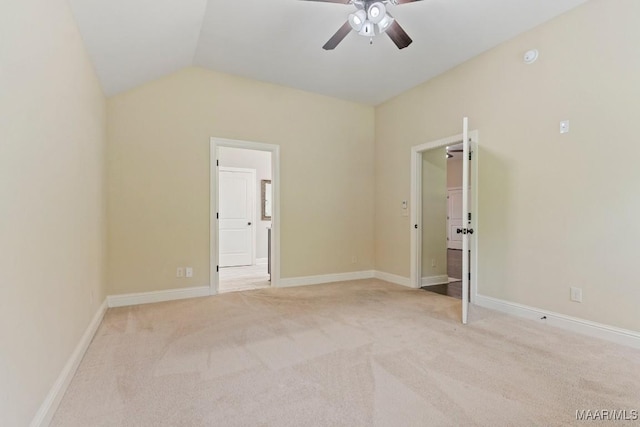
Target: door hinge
{"type": "Point", "coordinates": [217, 215]}
{"type": "Point", "coordinates": [217, 162]}
{"type": "Point", "coordinates": [469, 276]}
{"type": "Point", "coordinates": [470, 152]}
{"type": "Point", "coordinates": [469, 216]}
{"type": "Point", "coordinates": [217, 268]}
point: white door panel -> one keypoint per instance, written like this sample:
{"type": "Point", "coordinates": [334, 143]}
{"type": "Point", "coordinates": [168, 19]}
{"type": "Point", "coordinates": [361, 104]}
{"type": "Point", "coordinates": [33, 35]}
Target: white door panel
{"type": "Point", "coordinates": [465, 214]}
{"type": "Point", "coordinates": [234, 195]}
{"type": "Point", "coordinates": [455, 239]}
{"type": "Point", "coordinates": [454, 218]}
{"type": "Point", "coordinates": [236, 211]}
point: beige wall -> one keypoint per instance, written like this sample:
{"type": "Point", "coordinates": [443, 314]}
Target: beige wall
{"type": "Point", "coordinates": [260, 161]}
{"type": "Point", "coordinates": [52, 135]}
{"type": "Point", "coordinates": [158, 166]}
{"type": "Point", "coordinates": [434, 212]}
{"type": "Point", "coordinates": [555, 210]}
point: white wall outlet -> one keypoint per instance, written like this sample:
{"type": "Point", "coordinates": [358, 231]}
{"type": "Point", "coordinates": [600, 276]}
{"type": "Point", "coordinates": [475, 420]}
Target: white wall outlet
{"type": "Point", "coordinates": [188, 272]}
{"type": "Point", "coordinates": [433, 262]}
{"type": "Point", "coordinates": [404, 204]}
{"type": "Point", "coordinates": [576, 294]}
{"type": "Point", "coordinates": [564, 126]}
{"type": "Point", "coordinates": [179, 272]}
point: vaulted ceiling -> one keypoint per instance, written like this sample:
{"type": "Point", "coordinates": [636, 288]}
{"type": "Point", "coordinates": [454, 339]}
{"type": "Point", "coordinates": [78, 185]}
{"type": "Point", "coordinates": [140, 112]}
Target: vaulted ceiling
{"type": "Point", "coordinates": [280, 41]}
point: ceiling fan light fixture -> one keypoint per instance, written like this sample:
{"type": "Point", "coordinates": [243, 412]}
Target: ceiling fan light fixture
{"type": "Point", "coordinates": [367, 29]}
{"type": "Point", "coordinates": [385, 23]}
{"type": "Point", "coordinates": [357, 19]}
{"type": "Point", "coordinates": [376, 12]}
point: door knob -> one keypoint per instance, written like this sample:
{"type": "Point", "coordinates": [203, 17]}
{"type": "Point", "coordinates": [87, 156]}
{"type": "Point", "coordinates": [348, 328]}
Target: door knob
{"type": "Point", "coordinates": [248, 223]}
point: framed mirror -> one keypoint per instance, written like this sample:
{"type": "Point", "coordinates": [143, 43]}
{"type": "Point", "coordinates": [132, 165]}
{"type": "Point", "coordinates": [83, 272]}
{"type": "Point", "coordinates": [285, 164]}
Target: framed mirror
{"type": "Point", "coordinates": [266, 199]}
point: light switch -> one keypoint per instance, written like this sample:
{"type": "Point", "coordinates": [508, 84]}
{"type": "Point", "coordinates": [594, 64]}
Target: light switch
{"type": "Point", "coordinates": [188, 272]}
{"type": "Point", "coordinates": [564, 126]}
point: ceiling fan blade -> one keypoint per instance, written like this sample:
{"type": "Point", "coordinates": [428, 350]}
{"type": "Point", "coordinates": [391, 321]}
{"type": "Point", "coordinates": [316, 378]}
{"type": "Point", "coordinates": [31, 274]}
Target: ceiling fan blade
{"type": "Point", "coordinates": [333, 1]}
{"type": "Point", "coordinates": [406, 1]}
{"type": "Point", "coordinates": [337, 37]}
{"type": "Point", "coordinates": [398, 35]}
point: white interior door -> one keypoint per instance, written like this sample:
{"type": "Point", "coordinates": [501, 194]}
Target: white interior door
{"type": "Point", "coordinates": [466, 229]}
{"type": "Point", "coordinates": [454, 218]}
{"type": "Point", "coordinates": [237, 196]}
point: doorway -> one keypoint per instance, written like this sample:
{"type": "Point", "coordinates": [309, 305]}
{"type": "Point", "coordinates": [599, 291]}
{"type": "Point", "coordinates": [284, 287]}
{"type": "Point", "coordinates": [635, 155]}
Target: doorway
{"type": "Point", "coordinates": [244, 224]}
{"type": "Point", "coordinates": [433, 260]}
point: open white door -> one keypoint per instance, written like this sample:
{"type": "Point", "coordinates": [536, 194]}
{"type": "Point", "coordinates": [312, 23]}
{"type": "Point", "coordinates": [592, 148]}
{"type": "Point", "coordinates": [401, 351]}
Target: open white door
{"type": "Point", "coordinates": [465, 219]}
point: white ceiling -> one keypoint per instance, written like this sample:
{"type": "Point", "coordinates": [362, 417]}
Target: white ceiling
{"type": "Point", "coordinates": [280, 41]}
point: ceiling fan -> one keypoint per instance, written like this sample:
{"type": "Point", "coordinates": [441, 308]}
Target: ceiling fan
{"type": "Point", "coordinates": [370, 18]}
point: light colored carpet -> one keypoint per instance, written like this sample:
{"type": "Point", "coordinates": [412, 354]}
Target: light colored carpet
{"type": "Point", "coordinates": [362, 353]}
{"type": "Point", "coordinates": [233, 279]}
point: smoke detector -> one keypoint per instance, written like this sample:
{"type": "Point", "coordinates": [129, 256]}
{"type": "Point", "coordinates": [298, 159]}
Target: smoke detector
{"type": "Point", "coordinates": [530, 56]}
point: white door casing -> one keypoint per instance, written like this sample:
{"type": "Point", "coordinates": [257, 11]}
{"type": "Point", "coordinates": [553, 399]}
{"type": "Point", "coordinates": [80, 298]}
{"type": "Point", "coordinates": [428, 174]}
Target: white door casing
{"type": "Point", "coordinates": [472, 138]}
{"type": "Point", "coordinates": [237, 196]}
{"type": "Point", "coordinates": [214, 240]}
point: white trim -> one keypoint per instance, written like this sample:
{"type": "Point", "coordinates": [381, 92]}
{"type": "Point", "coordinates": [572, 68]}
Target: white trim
{"type": "Point", "coordinates": [475, 161]}
{"type": "Point", "coordinates": [416, 208]}
{"type": "Point", "coordinates": [262, 261]}
{"type": "Point", "coordinates": [50, 404]}
{"type": "Point", "coordinates": [156, 296]}
{"type": "Point", "coordinates": [442, 279]}
{"type": "Point", "coordinates": [252, 207]}
{"type": "Point", "coordinates": [573, 324]}
{"type": "Point", "coordinates": [213, 206]}
{"type": "Point", "coordinates": [325, 278]}
{"type": "Point", "coordinates": [416, 212]}
{"type": "Point", "coordinates": [466, 272]}
{"type": "Point", "coordinates": [393, 278]}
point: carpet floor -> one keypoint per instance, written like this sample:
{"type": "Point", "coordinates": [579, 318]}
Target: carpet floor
{"type": "Point", "coordinates": [361, 353]}
{"type": "Point", "coordinates": [233, 279]}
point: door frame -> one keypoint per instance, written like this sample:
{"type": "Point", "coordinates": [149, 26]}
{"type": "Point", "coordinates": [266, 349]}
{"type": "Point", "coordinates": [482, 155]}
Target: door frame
{"type": "Point", "coordinates": [214, 203]}
{"type": "Point", "coordinates": [254, 196]}
{"type": "Point", "coordinates": [416, 206]}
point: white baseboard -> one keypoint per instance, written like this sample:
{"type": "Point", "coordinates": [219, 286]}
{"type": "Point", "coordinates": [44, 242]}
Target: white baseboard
{"type": "Point", "coordinates": [393, 278]}
{"type": "Point", "coordinates": [574, 324]}
{"type": "Point", "coordinates": [262, 261]}
{"type": "Point", "coordinates": [157, 296]}
{"type": "Point", "coordinates": [50, 404]}
{"type": "Point", "coordinates": [324, 278]}
{"type": "Point", "coordinates": [442, 279]}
